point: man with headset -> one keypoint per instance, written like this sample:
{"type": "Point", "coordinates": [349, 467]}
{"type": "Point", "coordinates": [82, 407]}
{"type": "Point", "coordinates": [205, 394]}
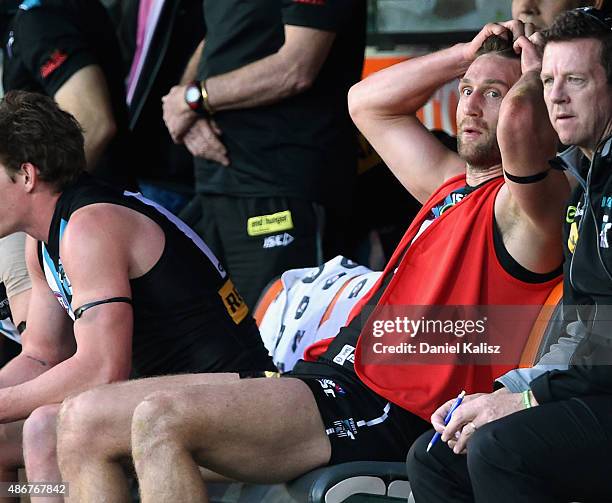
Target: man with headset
{"type": "Point", "coordinates": [552, 440]}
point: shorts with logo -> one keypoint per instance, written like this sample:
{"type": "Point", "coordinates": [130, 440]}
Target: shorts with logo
{"type": "Point", "coordinates": [258, 238]}
{"type": "Point", "coordinates": [361, 425]}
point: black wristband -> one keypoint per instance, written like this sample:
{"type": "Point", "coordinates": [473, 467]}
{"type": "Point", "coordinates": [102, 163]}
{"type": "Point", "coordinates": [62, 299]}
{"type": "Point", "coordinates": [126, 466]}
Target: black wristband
{"type": "Point", "coordinates": [524, 180]}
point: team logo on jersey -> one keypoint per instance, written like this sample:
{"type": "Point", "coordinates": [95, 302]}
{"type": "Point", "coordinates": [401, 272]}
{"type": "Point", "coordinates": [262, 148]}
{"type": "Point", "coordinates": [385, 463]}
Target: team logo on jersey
{"type": "Point", "coordinates": [234, 303]}
{"type": "Point", "coordinates": [268, 224]}
{"type": "Point", "coordinates": [278, 240]}
{"type": "Point", "coordinates": [331, 388]}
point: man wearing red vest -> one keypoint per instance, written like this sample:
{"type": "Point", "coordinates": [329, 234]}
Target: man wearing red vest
{"type": "Point", "coordinates": [466, 247]}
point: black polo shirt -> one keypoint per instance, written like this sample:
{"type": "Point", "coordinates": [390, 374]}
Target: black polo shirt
{"type": "Point", "coordinates": [47, 41]}
{"type": "Point", "coordinates": [301, 146]}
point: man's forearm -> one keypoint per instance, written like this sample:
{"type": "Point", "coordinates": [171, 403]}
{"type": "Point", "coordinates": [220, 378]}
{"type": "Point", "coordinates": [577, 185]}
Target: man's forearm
{"type": "Point", "coordinates": [53, 386]}
{"type": "Point", "coordinates": [22, 368]}
{"type": "Point", "coordinates": [191, 70]}
{"type": "Point", "coordinates": [404, 88]}
{"type": "Point", "coordinates": [525, 134]}
{"type": "Point", "coordinates": [260, 83]}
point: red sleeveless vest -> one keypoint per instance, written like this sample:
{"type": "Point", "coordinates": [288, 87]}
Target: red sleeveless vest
{"type": "Point", "coordinates": [453, 262]}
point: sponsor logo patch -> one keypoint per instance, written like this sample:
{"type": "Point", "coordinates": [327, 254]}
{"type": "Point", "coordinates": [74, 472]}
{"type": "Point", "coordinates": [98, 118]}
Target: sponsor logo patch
{"type": "Point", "coordinates": [234, 303]}
{"type": "Point", "coordinates": [573, 237]}
{"type": "Point", "coordinates": [278, 240]}
{"type": "Point", "coordinates": [346, 353]}
{"type": "Point", "coordinates": [267, 224]}
{"type": "Point", "coordinates": [345, 428]}
{"type": "Point", "coordinates": [56, 60]}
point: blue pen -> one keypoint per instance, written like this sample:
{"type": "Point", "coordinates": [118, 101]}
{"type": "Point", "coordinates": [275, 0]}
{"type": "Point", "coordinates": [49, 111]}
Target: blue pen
{"type": "Point", "coordinates": [447, 419]}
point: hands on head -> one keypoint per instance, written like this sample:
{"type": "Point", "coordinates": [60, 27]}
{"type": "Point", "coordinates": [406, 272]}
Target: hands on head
{"type": "Point", "coordinates": [527, 42]}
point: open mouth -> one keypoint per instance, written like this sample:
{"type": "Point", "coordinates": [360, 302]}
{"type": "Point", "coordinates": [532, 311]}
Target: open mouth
{"type": "Point", "coordinates": [469, 132]}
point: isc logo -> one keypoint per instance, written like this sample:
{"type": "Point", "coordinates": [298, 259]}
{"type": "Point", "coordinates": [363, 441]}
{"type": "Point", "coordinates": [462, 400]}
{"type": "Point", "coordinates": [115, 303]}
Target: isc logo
{"type": "Point", "coordinates": [234, 303]}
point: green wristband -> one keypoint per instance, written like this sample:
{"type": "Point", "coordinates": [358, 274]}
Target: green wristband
{"type": "Point", "coordinates": [526, 400]}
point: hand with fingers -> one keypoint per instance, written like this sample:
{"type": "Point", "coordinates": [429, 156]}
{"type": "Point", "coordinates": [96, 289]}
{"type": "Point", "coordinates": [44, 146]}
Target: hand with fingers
{"type": "Point", "coordinates": [510, 30]}
{"type": "Point", "coordinates": [475, 412]}
{"type": "Point", "coordinates": [531, 50]}
{"type": "Point", "coordinates": [203, 140]}
{"type": "Point", "coordinates": [177, 114]}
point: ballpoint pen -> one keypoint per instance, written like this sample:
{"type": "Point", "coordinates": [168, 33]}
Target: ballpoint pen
{"type": "Point", "coordinates": [447, 419]}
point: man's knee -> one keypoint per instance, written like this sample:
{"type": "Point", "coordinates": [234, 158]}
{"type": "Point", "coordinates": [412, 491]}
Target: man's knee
{"type": "Point", "coordinates": [80, 422]}
{"type": "Point", "coordinates": [157, 421]}
{"type": "Point", "coordinates": [39, 433]}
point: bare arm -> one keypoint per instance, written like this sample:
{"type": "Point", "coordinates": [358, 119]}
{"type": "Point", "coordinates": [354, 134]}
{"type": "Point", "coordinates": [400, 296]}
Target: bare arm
{"type": "Point", "coordinates": [191, 70]}
{"type": "Point", "coordinates": [103, 334]}
{"type": "Point", "coordinates": [48, 338]}
{"type": "Point", "coordinates": [527, 141]}
{"type": "Point", "coordinates": [19, 306]}
{"type": "Point", "coordinates": [85, 95]}
{"type": "Point", "coordinates": [290, 71]}
{"type": "Point", "coordinates": [384, 107]}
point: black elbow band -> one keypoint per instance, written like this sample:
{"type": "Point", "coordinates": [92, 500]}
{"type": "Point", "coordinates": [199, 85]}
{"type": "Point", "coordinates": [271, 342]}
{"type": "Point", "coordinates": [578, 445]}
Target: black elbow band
{"type": "Point", "coordinates": [527, 179]}
{"type": "Point", "coordinates": [79, 311]}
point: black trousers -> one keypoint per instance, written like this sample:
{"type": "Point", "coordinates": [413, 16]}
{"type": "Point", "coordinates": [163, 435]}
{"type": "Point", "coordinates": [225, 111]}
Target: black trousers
{"type": "Point", "coordinates": [555, 452]}
{"type": "Point", "coordinates": [251, 243]}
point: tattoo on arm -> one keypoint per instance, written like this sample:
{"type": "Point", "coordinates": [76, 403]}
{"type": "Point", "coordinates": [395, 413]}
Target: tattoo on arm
{"type": "Point", "coordinates": [43, 363]}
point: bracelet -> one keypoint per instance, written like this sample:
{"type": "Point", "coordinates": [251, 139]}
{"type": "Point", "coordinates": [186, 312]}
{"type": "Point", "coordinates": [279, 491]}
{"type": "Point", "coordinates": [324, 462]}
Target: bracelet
{"type": "Point", "coordinates": [205, 102]}
{"type": "Point", "coordinates": [526, 399]}
{"type": "Point", "coordinates": [527, 179]}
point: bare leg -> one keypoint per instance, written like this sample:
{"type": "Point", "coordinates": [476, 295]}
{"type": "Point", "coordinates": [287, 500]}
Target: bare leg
{"type": "Point", "coordinates": [255, 430]}
{"type": "Point", "coordinates": [94, 434]}
{"type": "Point", "coordinates": [11, 453]}
{"type": "Point", "coordinates": [39, 448]}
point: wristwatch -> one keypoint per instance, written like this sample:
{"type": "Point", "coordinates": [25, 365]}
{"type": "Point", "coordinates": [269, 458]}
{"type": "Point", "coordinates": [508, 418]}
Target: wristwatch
{"type": "Point", "coordinates": [193, 97]}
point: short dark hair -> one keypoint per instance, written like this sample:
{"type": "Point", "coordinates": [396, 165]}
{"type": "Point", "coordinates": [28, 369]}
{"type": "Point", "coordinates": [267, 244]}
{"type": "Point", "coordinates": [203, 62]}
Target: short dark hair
{"type": "Point", "coordinates": [499, 46]}
{"type": "Point", "coordinates": [34, 129]}
{"type": "Point", "coordinates": [584, 23]}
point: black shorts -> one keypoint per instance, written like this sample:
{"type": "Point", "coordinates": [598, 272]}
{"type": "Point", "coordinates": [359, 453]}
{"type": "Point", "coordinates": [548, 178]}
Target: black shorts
{"type": "Point", "coordinates": [361, 425]}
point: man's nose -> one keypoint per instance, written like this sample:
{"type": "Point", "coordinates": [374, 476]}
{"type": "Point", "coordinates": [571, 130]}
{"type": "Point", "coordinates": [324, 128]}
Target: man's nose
{"type": "Point", "coordinates": [472, 105]}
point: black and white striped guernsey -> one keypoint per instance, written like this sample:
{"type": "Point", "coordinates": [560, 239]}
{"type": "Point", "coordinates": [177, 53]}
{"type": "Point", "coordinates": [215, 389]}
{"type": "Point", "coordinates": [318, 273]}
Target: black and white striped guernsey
{"type": "Point", "coordinates": [188, 317]}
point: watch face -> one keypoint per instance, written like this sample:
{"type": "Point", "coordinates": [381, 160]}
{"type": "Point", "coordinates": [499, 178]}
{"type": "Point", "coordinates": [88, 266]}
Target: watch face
{"type": "Point", "coordinates": [192, 96]}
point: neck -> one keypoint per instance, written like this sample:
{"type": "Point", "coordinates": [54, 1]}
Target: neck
{"type": "Point", "coordinates": [477, 175]}
{"type": "Point", "coordinates": [38, 221]}
{"type": "Point", "coordinates": [604, 137]}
